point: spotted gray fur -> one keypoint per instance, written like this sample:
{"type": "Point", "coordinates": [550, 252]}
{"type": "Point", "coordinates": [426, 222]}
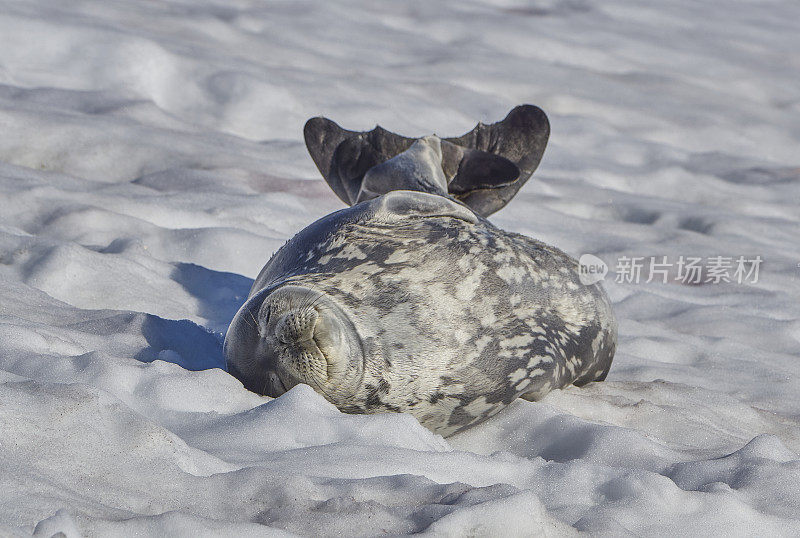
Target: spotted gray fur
{"type": "Point", "coordinates": [453, 317]}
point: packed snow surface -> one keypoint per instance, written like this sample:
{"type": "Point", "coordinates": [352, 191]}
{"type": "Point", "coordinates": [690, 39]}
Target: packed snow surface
{"type": "Point", "coordinates": [152, 161]}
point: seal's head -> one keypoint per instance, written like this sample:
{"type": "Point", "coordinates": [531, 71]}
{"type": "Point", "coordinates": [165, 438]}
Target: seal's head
{"type": "Point", "coordinates": [293, 334]}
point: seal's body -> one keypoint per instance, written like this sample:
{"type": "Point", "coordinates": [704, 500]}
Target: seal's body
{"type": "Point", "coordinates": [411, 302]}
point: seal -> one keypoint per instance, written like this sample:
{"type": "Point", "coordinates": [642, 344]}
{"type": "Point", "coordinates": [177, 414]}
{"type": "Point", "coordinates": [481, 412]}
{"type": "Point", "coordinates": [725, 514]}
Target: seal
{"type": "Point", "coordinates": [411, 301]}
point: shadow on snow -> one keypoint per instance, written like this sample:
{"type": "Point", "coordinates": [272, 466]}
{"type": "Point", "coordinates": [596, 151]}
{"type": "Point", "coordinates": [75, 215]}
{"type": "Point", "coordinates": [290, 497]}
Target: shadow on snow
{"type": "Point", "coordinates": [184, 342]}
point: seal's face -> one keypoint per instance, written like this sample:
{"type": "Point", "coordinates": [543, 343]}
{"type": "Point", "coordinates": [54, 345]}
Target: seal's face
{"type": "Point", "coordinates": [294, 334]}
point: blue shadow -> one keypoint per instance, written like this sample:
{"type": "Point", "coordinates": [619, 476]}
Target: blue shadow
{"type": "Point", "coordinates": [185, 343]}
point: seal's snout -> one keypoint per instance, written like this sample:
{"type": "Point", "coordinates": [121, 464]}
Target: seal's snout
{"type": "Point", "coordinates": [304, 359]}
{"type": "Point", "coordinates": [294, 334]}
{"type": "Point", "coordinates": [297, 326]}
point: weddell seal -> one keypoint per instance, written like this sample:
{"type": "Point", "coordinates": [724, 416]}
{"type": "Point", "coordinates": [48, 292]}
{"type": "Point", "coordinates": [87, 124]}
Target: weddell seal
{"type": "Point", "coordinates": [410, 300]}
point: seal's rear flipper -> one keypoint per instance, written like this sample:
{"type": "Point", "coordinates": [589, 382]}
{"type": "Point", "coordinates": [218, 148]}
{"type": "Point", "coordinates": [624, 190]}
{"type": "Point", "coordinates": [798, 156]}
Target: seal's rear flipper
{"type": "Point", "coordinates": [419, 168]}
{"type": "Point", "coordinates": [343, 157]}
{"type": "Point", "coordinates": [483, 168]}
{"type": "Point", "coordinates": [477, 170]}
{"type": "Point", "coordinates": [521, 137]}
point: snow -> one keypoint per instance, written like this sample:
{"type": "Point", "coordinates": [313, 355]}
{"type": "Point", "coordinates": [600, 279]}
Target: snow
{"type": "Point", "coordinates": [151, 160]}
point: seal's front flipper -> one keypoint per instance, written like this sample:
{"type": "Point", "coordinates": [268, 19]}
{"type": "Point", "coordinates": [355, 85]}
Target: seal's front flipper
{"type": "Point", "coordinates": [520, 138]}
{"type": "Point", "coordinates": [483, 168]}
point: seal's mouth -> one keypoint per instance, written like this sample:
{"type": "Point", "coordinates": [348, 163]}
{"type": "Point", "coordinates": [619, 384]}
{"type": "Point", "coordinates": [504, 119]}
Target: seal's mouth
{"type": "Point", "coordinates": [275, 386]}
